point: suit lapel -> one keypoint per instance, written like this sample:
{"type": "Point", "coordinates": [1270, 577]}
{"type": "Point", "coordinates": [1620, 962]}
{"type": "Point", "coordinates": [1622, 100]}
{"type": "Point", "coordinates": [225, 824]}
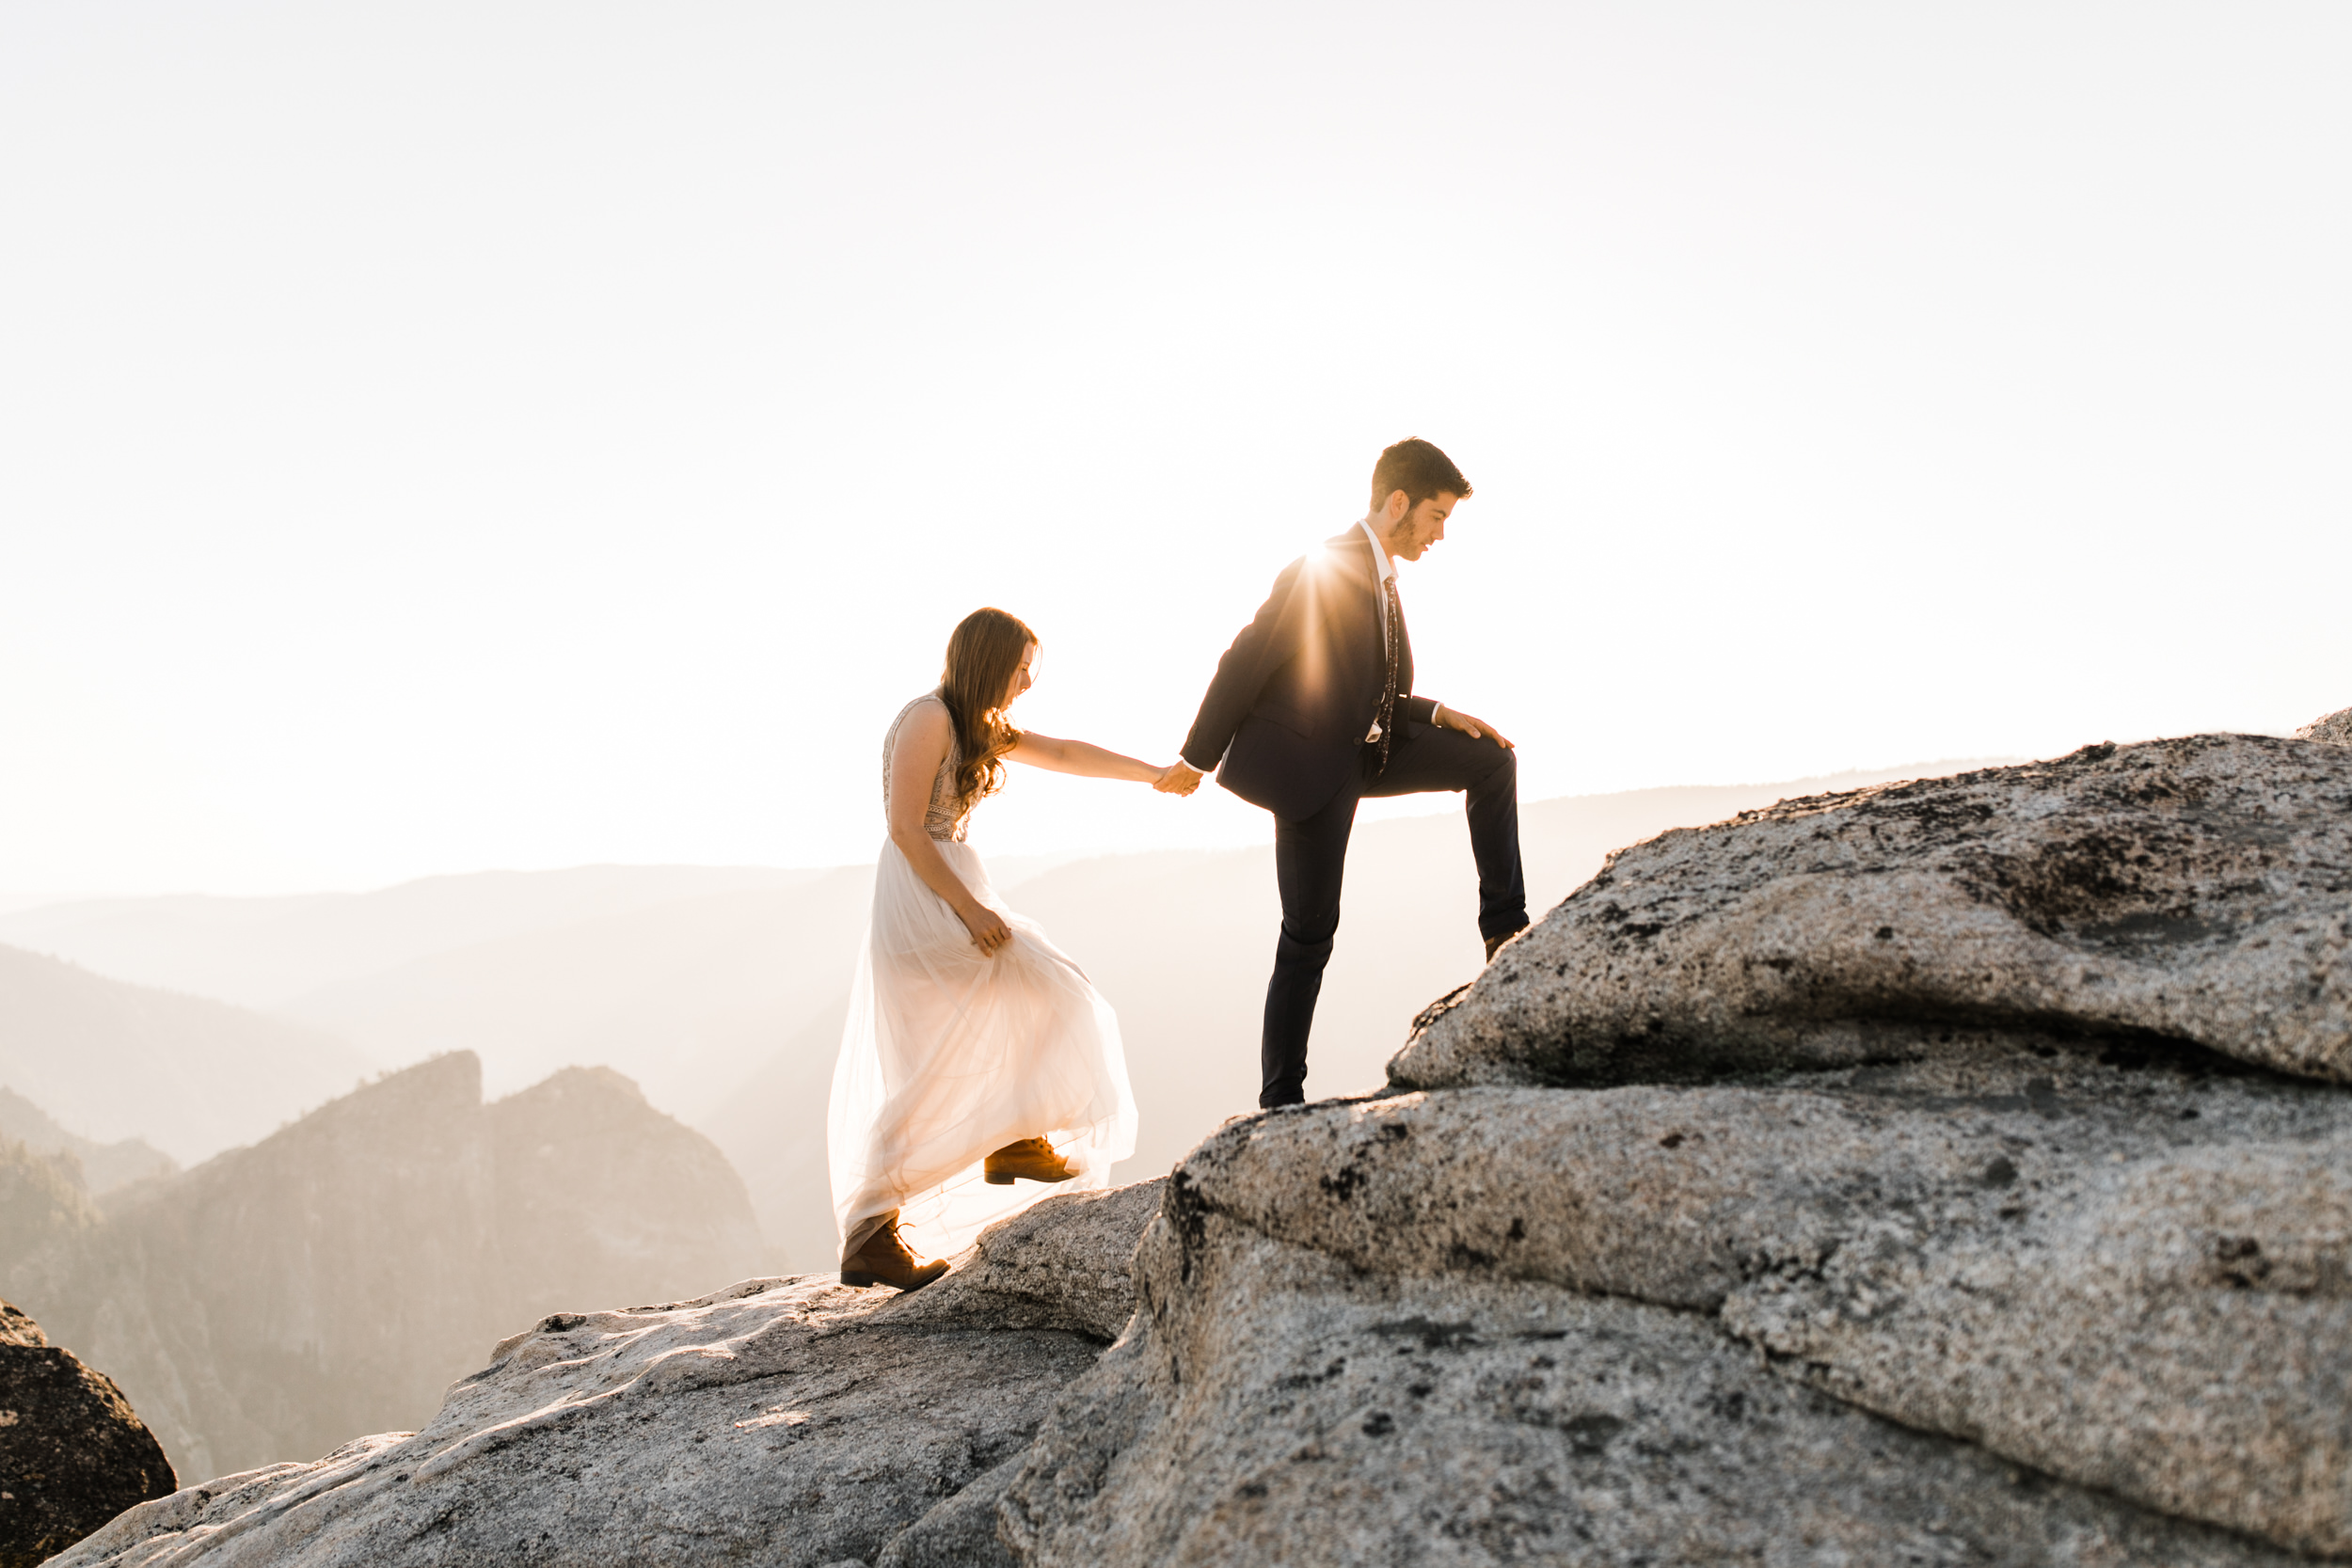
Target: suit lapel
{"type": "Point", "coordinates": [1355, 553]}
{"type": "Point", "coordinates": [1367, 568]}
{"type": "Point", "coordinates": [1368, 554]}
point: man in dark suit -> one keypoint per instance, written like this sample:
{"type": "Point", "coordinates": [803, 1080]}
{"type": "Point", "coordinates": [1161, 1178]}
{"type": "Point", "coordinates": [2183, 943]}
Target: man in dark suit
{"type": "Point", "coordinates": [1312, 708]}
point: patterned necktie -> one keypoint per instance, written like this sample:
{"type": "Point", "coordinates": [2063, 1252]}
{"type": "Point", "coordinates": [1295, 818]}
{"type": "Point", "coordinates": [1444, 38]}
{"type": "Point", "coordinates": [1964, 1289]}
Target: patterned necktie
{"type": "Point", "coordinates": [1394, 637]}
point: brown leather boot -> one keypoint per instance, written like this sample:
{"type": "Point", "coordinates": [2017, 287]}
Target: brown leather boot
{"type": "Point", "coordinates": [883, 1258]}
{"type": "Point", "coordinates": [1495, 943]}
{"type": "Point", "coordinates": [1030, 1160]}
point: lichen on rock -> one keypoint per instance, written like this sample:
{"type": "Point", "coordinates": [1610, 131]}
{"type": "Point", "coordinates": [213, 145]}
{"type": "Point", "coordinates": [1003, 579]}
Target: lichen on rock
{"type": "Point", "coordinates": [1274, 1404]}
{"type": "Point", "coordinates": [2333, 730]}
{"type": "Point", "coordinates": [2196, 890]}
{"type": "Point", "coordinates": [2132, 1274]}
{"type": "Point", "coordinates": [72, 1452]}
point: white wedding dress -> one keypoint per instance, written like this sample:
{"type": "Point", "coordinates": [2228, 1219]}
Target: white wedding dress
{"type": "Point", "coordinates": [950, 1054]}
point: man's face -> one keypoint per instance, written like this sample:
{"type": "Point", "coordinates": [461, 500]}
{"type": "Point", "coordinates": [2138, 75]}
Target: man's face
{"type": "Point", "coordinates": [1410, 532]}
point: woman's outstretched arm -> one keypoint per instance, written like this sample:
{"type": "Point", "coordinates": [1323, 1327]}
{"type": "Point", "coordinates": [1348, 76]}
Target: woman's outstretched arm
{"type": "Point", "coordinates": [1093, 762]}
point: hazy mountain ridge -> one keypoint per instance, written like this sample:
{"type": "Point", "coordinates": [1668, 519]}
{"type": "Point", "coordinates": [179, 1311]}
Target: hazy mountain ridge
{"type": "Point", "coordinates": [97, 1167]}
{"type": "Point", "coordinates": [683, 994]}
{"type": "Point", "coordinates": [263, 952]}
{"type": "Point", "coordinates": [189, 1075]}
{"type": "Point", "coordinates": [44, 1217]}
{"type": "Point", "coordinates": [336, 1277]}
{"type": "Point", "coordinates": [772, 1130]}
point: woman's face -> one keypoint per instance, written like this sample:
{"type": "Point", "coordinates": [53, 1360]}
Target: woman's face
{"type": "Point", "coordinates": [1022, 679]}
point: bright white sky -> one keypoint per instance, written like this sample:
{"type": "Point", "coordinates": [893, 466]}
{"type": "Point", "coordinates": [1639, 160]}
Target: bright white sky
{"type": "Point", "coordinates": [436, 436]}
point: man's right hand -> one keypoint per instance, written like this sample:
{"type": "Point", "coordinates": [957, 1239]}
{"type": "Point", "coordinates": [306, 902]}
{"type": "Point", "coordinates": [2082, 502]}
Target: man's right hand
{"type": "Point", "coordinates": [1477, 729]}
{"type": "Point", "coordinates": [1181, 778]}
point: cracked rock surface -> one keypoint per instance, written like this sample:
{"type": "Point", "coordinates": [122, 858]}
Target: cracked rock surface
{"type": "Point", "coordinates": [783, 1422]}
{"type": "Point", "coordinates": [1060, 1263]}
{"type": "Point", "coordinates": [2198, 889]}
{"type": "Point", "coordinates": [779, 1421]}
{"type": "Point", "coordinates": [2334, 730]}
{"type": "Point", "coordinates": [1274, 1404]}
{"type": "Point", "coordinates": [2131, 1274]}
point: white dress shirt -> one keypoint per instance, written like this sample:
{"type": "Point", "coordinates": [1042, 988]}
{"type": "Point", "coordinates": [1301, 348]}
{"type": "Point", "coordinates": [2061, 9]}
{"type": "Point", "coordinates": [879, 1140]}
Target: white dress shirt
{"type": "Point", "coordinates": [1388, 576]}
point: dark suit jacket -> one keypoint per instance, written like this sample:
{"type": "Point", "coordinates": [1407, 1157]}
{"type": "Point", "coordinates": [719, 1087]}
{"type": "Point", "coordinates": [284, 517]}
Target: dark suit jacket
{"type": "Point", "coordinates": [1284, 722]}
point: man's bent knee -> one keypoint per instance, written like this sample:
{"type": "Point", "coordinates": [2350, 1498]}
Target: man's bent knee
{"type": "Point", "coordinates": [1502, 773]}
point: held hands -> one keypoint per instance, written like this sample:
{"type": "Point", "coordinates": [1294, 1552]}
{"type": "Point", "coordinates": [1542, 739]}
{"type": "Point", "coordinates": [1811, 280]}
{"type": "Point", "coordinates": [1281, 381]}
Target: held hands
{"type": "Point", "coordinates": [988, 928]}
{"type": "Point", "coordinates": [1477, 729]}
{"type": "Point", "coordinates": [1177, 778]}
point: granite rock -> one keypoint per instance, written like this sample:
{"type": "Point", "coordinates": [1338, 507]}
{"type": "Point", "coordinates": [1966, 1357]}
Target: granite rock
{"type": "Point", "coordinates": [1273, 1404]}
{"type": "Point", "coordinates": [17, 1328]}
{"type": "Point", "coordinates": [73, 1453]}
{"type": "Point", "coordinates": [2131, 1273]}
{"type": "Point", "coordinates": [1947, 1173]}
{"type": "Point", "coordinates": [2334, 730]}
{"type": "Point", "coordinates": [959, 1531]}
{"type": "Point", "coordinates": [778, 1421]}
{"type": "Point", "coordinates": [781, 1421]}
{"type": "Point", "coordinates": [2195, 889]}
{"type": "Point", "coordinates": [1060, 1263]}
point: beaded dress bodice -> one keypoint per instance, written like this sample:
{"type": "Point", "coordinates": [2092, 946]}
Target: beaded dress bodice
{"type": "Point", "coordinates": [940, 818]}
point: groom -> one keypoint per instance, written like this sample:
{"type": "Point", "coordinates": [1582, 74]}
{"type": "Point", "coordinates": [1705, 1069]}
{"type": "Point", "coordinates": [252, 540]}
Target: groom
{"type": "Point", "coordinates": [1313, 709]}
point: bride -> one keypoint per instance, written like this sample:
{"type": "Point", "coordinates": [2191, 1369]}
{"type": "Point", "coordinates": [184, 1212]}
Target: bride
{"type": "Point", "coordinates": [971, 1039]}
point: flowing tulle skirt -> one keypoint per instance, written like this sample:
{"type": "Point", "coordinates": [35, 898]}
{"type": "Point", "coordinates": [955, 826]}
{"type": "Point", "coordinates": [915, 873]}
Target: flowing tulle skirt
{"type": "Point", "coordinates": [950, 1054]}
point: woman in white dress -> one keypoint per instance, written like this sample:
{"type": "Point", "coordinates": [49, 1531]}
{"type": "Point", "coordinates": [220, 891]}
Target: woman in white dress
{"type": "Point", "coordinates": [972, 1041]}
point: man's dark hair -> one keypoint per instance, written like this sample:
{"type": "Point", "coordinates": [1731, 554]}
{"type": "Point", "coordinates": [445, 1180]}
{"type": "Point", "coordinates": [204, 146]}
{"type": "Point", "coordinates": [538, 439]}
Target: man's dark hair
{"type": "Point", "coordinates": [1419, 469]}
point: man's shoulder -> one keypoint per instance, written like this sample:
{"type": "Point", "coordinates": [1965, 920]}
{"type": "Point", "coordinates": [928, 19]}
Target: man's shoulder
{"type": "Point", "coordinates": [1338, 559]}
{"type": "Point", "coordinates": [1348, 552]}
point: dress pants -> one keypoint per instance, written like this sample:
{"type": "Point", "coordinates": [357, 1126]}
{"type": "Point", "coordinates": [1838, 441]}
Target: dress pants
{"type": "Point", "coordinates": [1310, 856]}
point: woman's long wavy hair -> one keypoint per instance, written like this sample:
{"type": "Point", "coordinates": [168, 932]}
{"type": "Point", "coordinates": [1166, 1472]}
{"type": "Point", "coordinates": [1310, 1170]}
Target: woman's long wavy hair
{"type": "Point", "coordinates": [982, 654]}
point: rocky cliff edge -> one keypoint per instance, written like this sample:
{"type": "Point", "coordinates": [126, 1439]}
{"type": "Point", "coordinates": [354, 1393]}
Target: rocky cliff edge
{"type": "Point", "coordinates": [1951, 1173]}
